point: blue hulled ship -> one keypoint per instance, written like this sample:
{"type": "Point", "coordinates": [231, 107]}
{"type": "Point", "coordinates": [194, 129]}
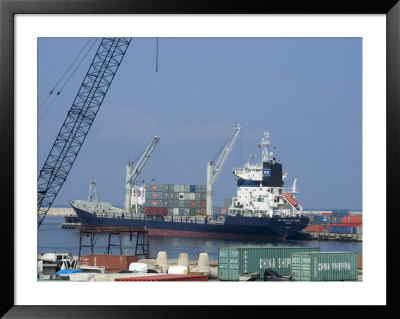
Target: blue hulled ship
{"type": "Point", "coordinates": [262, 208]}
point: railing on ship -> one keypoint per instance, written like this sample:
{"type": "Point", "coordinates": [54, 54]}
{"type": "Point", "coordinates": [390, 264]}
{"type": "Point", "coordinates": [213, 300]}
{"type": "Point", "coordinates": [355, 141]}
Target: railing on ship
{"type": "Point", "coordinates": [176, 219]}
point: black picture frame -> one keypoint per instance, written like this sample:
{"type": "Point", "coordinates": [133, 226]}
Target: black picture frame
{"type": "Point", "coordinates": [8, 10]}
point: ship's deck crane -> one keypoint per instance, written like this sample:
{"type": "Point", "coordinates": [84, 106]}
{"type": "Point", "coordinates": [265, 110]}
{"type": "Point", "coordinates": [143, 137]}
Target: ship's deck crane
{"type": "Point", "coordinates": [213, 172]}
{"type": "Point", "coordinates": [131, 175]}
{"type": "Point", "coordinates": [79, 119]}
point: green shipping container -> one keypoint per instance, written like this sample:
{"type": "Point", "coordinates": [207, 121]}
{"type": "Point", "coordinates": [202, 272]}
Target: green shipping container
{"type": "Point", "coordinates": [324, 266]}
{"type": "Point", "coordinates": [232, 262]}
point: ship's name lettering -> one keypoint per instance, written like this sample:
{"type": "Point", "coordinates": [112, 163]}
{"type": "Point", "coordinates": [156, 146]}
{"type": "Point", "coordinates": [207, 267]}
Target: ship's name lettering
{"type": "Point", "coordinates": [276, 263]}
{"type": "Point", "coordinates": [334, 266]}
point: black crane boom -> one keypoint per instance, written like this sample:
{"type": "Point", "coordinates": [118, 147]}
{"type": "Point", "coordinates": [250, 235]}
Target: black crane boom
{"type": "Point", "coordinates": [79, 119]}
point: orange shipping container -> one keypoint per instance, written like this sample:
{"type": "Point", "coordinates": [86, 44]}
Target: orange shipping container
{"type": "Point", "coordinates": [315, 228]}
{"type": "Point", "coordinates": [159, 211]}
{"type": "Point", "coordinates": [111, 263]}
{"type": "Point", "coordinates": [359, 261]}
{"type": "Point", "coordinates": [352, 219]}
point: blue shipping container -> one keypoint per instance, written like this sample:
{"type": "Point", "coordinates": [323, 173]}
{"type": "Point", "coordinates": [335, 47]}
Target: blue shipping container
{"type": "Point", "coordinates": [192, 188]}
{"type": "Point", "coordinates": [341, 229]}
{"type": "Point", "coordinates": [322, 219]}
{"type": "Point", "coordinates": [340, 212]}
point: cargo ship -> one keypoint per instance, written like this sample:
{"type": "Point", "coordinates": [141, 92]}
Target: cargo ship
{"type": "Point", "coordinates": [262, 208]}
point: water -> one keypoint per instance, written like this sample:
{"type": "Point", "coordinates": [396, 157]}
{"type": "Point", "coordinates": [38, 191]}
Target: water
{"type": "Point", "coordinates": [53, 238]}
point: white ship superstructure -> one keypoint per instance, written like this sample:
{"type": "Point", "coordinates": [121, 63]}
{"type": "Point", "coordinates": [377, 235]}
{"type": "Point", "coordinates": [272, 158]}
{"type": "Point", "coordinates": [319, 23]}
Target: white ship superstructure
{"type": "Point", "coordinates": [261, 191]}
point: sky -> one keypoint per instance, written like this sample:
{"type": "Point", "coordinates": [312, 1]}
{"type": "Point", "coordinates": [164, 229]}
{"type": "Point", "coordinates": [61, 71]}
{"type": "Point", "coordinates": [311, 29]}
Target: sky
{"type": "Point", "coordinates": [307, 92]}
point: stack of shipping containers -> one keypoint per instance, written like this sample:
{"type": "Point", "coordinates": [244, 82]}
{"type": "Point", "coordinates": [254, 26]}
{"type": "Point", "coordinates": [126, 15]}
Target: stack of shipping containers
{"type": "Point", "coordinates": [337, 221]}
{"type": "Point", "coordinates": [175, 200]}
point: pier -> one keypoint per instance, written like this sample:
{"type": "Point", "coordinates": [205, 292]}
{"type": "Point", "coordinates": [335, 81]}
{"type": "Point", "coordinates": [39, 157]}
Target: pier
{"type": "Point", "coordinates": [326, 236]}
{"type": "Point", "coordinates": [141, 245]}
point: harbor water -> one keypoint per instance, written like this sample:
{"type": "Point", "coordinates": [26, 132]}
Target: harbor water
{"type": "Point", "coordinates": [53, 238]}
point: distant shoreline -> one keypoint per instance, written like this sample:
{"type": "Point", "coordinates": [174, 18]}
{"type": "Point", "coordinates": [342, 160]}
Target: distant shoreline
{"type": "Point", "coordinates": [61, 211]}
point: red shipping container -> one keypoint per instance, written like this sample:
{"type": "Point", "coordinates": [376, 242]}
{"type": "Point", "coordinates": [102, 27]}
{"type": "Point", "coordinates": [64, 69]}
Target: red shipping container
{"type": "Point", "coordinates": [359, 261]}
{"type": "Point", "coordinates": [202, 204]}
{"type": "Point", "coordinates": [352, 219]}
{"type": "Point", "coordinates": [159, 211]}
{"type": "Point", "coordinates": [111, 263]}
{"type": "Point", "coordinates": [326, 214]}
{"type": "Point", "coordinates": [192, 204]}
{"type": "Point", "coordinates": [167, 277]}
{"type": "Point", "coordinates": [315, 228]}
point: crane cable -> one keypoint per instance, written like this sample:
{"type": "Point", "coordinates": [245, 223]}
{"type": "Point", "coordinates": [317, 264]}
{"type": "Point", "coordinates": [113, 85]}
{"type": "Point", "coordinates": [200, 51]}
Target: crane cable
{"type": "Point", "coordinates": [68, 79]}
{"type": "Point", "coordinates": [157, 56]}
{"type": "Point", "coordinates": [65, 73]}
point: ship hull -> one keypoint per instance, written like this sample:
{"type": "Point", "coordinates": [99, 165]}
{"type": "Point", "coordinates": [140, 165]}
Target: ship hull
{"type": "Point", "coordinates": [234, 227]}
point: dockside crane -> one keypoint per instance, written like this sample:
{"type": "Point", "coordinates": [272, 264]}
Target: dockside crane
{"type": "Point", "coordinates": [214, 171]}
{"type": "Point", "coordinates": [79, 119]}
{"type": "Point", "coordinates": [132, 174]}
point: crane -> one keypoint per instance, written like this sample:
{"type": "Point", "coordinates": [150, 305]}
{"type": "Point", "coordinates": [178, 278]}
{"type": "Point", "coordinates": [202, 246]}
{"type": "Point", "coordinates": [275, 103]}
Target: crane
{"type": "Point", "coordinates": [79, 119]}
{"type": "Point", "coordinates": [132, 174]}
{"type": "Point", "coordinates": [213, 172]}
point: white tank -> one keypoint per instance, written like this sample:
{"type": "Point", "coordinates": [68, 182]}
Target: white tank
{"type": "Point", "coordinates": [183, 259]}
{"type": "Point", "coordinates": [162, 261]}
{"type": "Point", "coordinates": [138, 267]}
{"type": "Point", "coordinates": [178, 270]}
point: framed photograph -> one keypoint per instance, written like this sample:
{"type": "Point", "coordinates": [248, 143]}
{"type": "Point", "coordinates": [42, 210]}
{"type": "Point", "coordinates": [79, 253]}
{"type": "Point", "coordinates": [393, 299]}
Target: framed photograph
{"type": "Point", "coordinates": [361, 37]}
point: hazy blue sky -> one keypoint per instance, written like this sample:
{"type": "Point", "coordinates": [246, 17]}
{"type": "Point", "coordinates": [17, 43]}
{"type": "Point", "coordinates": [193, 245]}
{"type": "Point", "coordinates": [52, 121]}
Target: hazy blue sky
{"type": "Point", "coordinates": [307, 92]}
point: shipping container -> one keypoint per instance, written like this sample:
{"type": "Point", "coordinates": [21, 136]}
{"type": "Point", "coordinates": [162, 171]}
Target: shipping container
{"type": "Point", "coordinates": [154, 203]}
{"type": "Point", "coordinates": [336, 219]}
{"type": "Point", "coordinates": [360, 261]}
{"type": "Point", "coordinates": [340, 212]}
{"type": "Point", "coordinates": [202, 204]}
{"type": "Point", "coordinates": [347, 224]}
{"type": "Point", "coordinates": [166, 277]}
{"type": "Point", "coordinates": [192, 204]}
{"type": "Point", "coordinates": [322, 219]}
{"type": "Point", "coordinates": [192, 188]}
{"type": "Point", "coordinates": [358, 230]}
{"type": "Point", "coordinates": [327, 214]}
{"type": "Point", "coordinates": [158, 211]}
{"type": "Point", "coordinates": [192, 196]}
{"type": "Point", "coordinates": [352, 219]}
{"type": "Point", "coordinates": [232, 262]}
{"type": "Point", "coordinates": [341, 229]}
{"type": "Point", "coordinates": [315, 228]}
{"type": "Point", "coordinates": [324, 266]}
{"type": "Point", "coordinates": [355, 213]}
{"type": "Point", "coordinates": [111, 263]}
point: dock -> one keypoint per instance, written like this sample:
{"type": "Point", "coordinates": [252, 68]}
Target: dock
{"type": "Point", "coordinates": [326, 236]}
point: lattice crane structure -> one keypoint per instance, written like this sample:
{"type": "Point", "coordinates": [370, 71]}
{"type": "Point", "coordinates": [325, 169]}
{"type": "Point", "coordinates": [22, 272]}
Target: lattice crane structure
{"type": "Point", "coordinates": [79, 119]}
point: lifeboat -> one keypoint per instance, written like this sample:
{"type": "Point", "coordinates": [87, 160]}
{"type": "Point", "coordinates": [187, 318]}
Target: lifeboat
{"type": "Point", "coordinates": [291, 199]}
